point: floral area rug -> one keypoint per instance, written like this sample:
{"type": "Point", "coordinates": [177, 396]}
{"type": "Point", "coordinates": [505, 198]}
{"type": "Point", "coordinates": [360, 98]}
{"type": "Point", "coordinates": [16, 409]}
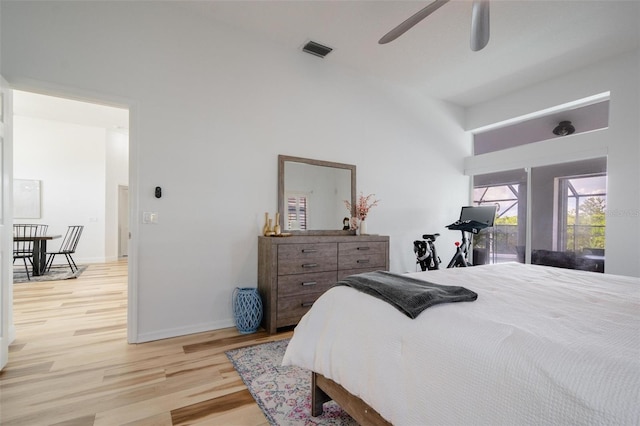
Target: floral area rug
{"type": "Point", "coordinates": [283, 393]}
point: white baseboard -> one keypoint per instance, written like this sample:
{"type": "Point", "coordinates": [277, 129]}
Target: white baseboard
{"type": "Point", "coordinates": [182, 331]}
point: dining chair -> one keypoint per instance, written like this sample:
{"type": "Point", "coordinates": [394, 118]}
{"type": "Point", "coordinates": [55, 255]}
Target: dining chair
{"type": "Point", "coordinates": [42, 229]}
{"type": "Point", "coordinates": [67, 247]}
{"type": "Point", "coordinates": [23, 249]}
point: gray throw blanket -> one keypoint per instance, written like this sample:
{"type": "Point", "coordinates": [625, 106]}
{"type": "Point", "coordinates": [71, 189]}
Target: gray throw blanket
{"type": "Point", "coordinates": [409, 295]}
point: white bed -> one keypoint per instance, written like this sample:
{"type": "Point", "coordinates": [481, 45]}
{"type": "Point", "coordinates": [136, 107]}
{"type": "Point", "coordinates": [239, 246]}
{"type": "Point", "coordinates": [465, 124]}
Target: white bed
{"type": "Point", "coordinates": [540, 345]}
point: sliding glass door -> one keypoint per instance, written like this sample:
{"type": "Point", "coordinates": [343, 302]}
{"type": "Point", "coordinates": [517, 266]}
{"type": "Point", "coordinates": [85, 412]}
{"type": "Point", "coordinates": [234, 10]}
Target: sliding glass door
{"type": "Point", "coordinates": [566, 218]}
{"type": "Point", "coordinates": [506, 241]}
{"type": "Point", "coordinates": [568, 205]}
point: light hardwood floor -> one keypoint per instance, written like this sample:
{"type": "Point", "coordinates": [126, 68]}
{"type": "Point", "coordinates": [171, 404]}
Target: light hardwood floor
{"type": "Point", "coordinates": [71, 364]}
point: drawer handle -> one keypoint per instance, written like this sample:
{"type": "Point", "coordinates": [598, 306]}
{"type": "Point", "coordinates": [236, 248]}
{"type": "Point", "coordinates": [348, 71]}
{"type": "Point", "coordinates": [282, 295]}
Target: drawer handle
{"type": "Point", "coordinates": [363, 248]}
{"type": "Point", "coordinates": [306, 304]}
{"type": "Point", "coordinates": [363, 261]}
{"type": "Point", "coordinates": [309, 265]}
{"type": "Point", "coordinates": [310, 283]}
{"type": "Point", "coordinates": [309, 250]}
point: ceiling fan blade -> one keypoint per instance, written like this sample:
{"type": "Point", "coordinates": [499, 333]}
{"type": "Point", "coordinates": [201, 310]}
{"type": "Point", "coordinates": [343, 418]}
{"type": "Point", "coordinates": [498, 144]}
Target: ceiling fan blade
{"type": "Point", "coordinates": [479, 25]}
{"type": "Point", "coordinates": [411, 21]}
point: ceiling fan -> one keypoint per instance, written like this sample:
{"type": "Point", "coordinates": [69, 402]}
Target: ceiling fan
{"type": "Point", "coordinates": [479, 23]}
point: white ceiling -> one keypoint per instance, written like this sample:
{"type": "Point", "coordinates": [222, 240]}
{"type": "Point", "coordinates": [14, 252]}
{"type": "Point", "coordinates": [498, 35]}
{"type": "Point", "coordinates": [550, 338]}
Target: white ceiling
{"type": "Point", "coordinates": [531, 41]}
{"type": "Point", "coordinates": [45, 107]}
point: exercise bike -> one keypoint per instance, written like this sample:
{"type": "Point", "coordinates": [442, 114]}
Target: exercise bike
{"type": "Point", "coordinates": [426, 253]}
{"type": "Point", "coordinates": [472, 220]}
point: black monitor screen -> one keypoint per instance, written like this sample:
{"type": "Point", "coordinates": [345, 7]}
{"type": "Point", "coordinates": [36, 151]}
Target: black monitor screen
{"type": "Point", "coordinates": [483, 214]}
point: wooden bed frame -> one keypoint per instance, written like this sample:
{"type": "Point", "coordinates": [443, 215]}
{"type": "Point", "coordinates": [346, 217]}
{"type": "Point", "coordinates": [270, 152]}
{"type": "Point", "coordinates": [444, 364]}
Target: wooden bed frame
{"type": "Point", "coordinates": [324, 390]}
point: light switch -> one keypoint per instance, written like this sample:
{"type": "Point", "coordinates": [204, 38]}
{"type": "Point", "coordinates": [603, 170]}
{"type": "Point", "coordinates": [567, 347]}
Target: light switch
{"type": "Point", "coordinates": [149, 217]}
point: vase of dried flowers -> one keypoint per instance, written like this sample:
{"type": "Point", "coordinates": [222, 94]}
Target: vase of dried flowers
{"type": "Point", "coordinates": [362, 230]}
{"type": "Point", "coordinates": [362, 208]}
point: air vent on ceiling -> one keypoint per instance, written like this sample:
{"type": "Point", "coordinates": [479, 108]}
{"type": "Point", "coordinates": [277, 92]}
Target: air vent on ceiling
{"type": "Point", "coordinates": [316, 49]}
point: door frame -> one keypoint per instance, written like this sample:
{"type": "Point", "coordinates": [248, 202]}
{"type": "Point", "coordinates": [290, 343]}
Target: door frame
{"type": "Point", "coordinates": [121, 192]}
{"type": "Point", "coordinates": [133, 107]}
{"type": "Point", "coordinates": [7, 327]}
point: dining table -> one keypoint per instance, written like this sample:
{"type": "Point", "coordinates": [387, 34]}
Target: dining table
{"type": "Point", "coordinates": [39, 251]}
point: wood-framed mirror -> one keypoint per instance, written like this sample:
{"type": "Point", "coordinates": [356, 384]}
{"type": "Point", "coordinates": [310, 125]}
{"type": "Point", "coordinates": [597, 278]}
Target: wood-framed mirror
{"type": "Point", "coordinates": [311, 195]}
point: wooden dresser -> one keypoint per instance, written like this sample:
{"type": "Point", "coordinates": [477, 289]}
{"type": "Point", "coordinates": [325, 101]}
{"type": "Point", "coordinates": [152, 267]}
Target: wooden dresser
{"type": "Point", "coordinates": [294, 271]}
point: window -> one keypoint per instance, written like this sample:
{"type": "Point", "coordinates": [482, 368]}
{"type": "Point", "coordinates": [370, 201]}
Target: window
{"type": "Point", "coordinates": [581, 213]}
{"type": "Point", "coordinates": [592, 116]}
{"type": "Point", "coordinates": [566, 215]}
{"type": "Point", "coordinates": [296, 211]}
{"type": "Point", "coordinates": [555, 214]}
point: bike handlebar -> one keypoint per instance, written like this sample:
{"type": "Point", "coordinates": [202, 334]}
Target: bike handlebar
{"type": "Point", "coordinates": [431, 237]}
{"type": "Point", "coordinates": [472, 226]}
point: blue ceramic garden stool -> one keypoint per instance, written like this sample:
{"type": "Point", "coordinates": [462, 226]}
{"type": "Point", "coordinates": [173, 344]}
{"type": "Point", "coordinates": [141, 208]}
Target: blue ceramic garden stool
{"type": "Point", "coordinates": [247, 309]}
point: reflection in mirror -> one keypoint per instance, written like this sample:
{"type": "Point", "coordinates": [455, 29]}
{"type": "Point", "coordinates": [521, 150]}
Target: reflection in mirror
{"type": "Point", "coordinates": [311, 194]}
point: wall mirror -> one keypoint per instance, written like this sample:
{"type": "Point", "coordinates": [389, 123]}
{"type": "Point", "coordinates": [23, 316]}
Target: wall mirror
{"type": "Point", "coordinates": [311, 195]}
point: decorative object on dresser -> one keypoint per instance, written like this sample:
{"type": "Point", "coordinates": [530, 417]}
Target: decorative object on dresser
{"type": "Point", "coordinates": [361, 209]}
{"type": "Point", "coordinates": [293, 272]}
{"type": "Point", "coordinates": [247, 309]}
{"type": "Point", "coordinates": [266, 229]}
{"type": "Point", "coordinates": [277, 230]}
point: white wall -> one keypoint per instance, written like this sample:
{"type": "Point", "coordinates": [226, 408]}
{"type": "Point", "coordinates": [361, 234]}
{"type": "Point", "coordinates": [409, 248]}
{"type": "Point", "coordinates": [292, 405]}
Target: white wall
{"type": "Point", "coordinates": [80, 168]}
{"type": "Point", "coordinates": [69, 160]}
{"type": "Point", "coordinates": [117, 174]}
{"type": "Point", "coordinates": [211, 111]}
{"type": "Point", "coordinates": [620, 143]}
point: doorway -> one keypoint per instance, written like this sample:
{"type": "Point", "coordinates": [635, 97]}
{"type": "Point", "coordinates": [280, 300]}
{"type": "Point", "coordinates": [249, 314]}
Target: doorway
{"type": "Point", "coordinates": [79, 152]}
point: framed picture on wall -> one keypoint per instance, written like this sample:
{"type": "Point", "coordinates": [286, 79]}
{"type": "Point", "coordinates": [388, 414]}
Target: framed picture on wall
{"type": "Point", "coordinates": [26, 199]}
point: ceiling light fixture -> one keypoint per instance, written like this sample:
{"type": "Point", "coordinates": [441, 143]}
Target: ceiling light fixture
{"type": "Point", "coordinates": [564, 128]}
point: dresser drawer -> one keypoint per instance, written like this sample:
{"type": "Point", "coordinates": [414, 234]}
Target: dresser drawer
{"type": "Point", "coordinates": [306, 258]}
{"type": "Point", "coordinates": [362, 247]}
{"type": "Point", "coordinates": [301, 284]}
{"type": "Point", "coordinates": [291, 309]}
{"type": "Point", "coordinates": [359, 255]}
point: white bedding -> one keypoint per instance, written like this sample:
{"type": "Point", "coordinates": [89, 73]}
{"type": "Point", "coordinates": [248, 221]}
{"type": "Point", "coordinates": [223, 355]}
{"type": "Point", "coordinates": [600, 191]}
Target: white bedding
{"type": "Point", "coordinates": [540, 345]}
